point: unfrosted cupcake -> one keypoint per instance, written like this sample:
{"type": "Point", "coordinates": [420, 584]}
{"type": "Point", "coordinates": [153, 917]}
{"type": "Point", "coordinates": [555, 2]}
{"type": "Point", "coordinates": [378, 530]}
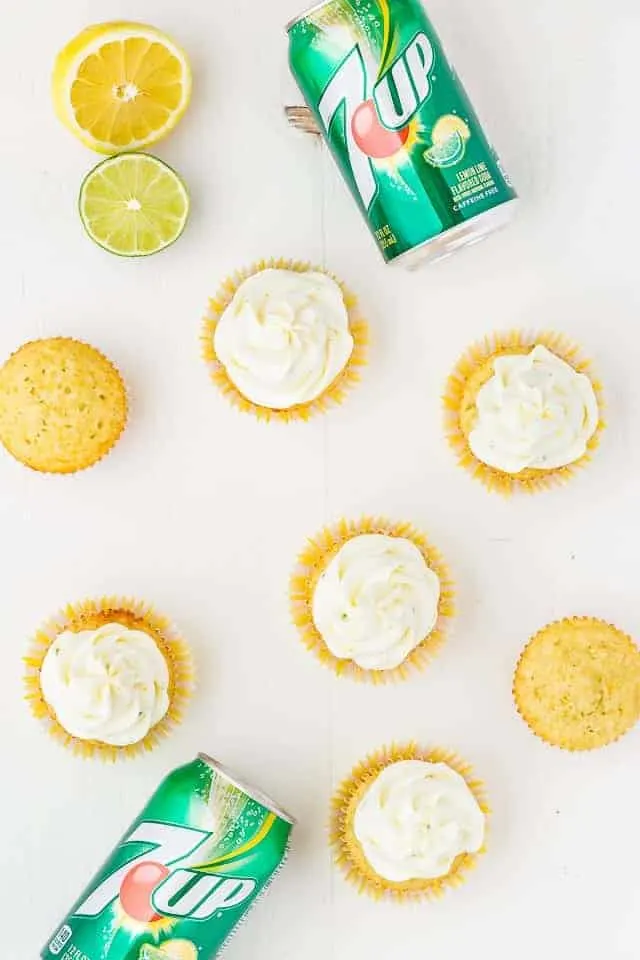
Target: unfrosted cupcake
{"type": "Point", "coordinates": [523, 412]}
{"type": "Point", "coordinates": [408, 823]}
{"type": "Point", "coordinates": [108, 677]}
{"type": "Point", "coordinates": [577, 684]}
{"type": "Point", "coordinates": [63, 405]}
{"type": "Point", "coordinates": [371, 598]}
{"type": "Point", "coordinates": [284, 340]}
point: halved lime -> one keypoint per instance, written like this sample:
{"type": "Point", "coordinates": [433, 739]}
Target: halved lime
{"type": "Point", "coordinates": [447, 153]}
{"type": "Point", "coordinates": [133, 205]}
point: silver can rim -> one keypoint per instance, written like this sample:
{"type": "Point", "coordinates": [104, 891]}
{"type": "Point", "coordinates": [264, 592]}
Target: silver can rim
{"type": "Point", "coordinates": [306, 13]}
{"type": "Point", "coordinates": [502, 213]}
{"type": "Point", "coordinates": [252, 792]}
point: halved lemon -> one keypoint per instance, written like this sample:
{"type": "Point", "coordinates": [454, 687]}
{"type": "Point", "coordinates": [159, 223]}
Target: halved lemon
{"type": "Point", "coordinates": [133, 204]}
{"type": "Point", "coordinates": [121, 86]}
{"type": "Point", "coordinates": [447, 126]}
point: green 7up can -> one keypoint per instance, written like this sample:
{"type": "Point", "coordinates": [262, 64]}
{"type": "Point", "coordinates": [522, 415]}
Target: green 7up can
{"type": "Point", "coordinates": [400, 126]}
{"type": "Point", "coordinates": [183, 876]}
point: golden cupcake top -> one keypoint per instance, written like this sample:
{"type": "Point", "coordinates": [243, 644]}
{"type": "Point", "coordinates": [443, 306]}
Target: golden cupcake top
{"type": "Point", "coordinates": [522, 412]}
{"type": "Point", "coordinates": [283, 340]}
{"type": "Point", "coordinates": [577, 684]}
{"type": "Point", "coordinates": [108, 677]}
{"type": "Point", "coordinates": [63, 405]}
{"type": "Point", "coordinates": [408, 823]}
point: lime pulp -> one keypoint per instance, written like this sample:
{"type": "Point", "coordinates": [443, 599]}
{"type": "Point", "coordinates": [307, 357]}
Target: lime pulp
{"type": "Point", "coordinates": [133, 205]}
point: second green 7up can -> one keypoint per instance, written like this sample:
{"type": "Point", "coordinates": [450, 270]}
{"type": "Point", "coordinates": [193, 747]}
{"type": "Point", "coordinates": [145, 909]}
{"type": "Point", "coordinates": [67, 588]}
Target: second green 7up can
{"type": "Point", "coordinates": [183, 876]}
{"type": "Point", "coordinates": [400, 126]}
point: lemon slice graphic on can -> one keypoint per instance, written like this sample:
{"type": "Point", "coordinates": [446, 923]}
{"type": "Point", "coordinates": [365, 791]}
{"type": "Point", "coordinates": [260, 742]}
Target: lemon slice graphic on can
{"type": "Point", "coordinates": [447, 126]}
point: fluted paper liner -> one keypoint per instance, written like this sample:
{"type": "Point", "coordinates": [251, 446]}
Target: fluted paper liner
{"type": "Point", "coordinates": [556, 702]}
{"type": "Point", "coordinates": [473, 370]}
{"type": "Point", "coordinates": [348, 853]}
{"type": "Point", "coordinates": [335, 393]}
{"type": "Point", "coordinates": [90, 615]}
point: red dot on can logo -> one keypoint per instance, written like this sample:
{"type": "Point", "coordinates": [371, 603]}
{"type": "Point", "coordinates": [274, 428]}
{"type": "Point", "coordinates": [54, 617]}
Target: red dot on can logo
{"type": "Point", "coordinates": [137, 889]}
{"type": "Point", "coordinates": [371, 137]}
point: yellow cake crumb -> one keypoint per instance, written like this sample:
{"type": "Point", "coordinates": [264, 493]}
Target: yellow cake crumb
{"type": "Point", "coordinates": [577, 684]}
{"type": "Point", "coordinates": [63, 405]}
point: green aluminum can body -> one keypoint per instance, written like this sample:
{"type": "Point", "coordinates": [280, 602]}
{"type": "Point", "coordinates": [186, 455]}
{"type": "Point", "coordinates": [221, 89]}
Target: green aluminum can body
{"type": "Point", "coordinates": [183, 876]}
{"type": "Point", "coordinates": [400, 126]}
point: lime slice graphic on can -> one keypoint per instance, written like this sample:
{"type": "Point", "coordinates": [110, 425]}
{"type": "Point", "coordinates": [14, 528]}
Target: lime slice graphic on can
{"type": "Point", "coordinates": [171, 950]}
{"type": "Point", "coordinates": [151, 953]}
{"type": "Point", "coordinates": [447, 153]}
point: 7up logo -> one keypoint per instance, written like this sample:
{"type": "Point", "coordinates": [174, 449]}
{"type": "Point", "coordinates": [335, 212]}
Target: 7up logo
{"type": "Point", "coordinates": [375, 121]}
{"type": "Point", "coordinates": [148, 889]}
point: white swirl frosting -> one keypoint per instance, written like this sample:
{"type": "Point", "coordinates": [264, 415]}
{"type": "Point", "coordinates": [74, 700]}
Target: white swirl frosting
{"type": "Point", "coordinates": [285, 337]}
{"type": "Point", "coordinates": [376, 601]}
{"type": "Point", "coordinates": [536, 411]}
{"type": "Point", "coordinates": [109, 684]}
{"type": "Point", "coordinates": [415, 819]}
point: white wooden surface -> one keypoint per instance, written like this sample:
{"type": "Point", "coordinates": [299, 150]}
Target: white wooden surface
{"type": "Point", "coordinates": [202, 510]}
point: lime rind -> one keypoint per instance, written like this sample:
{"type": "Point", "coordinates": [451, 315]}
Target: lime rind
{"type": "Point", "coordinates": [448, 153]}
{"type": "Point", "coordinates": [133, 205]}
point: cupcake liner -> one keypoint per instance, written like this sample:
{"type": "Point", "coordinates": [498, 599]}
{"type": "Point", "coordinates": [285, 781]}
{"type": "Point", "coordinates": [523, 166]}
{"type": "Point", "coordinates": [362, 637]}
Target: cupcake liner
{"type": "Point", "coordinates": [334, 395]}
{"type": "Point", "coordinates": [88, 461]}
{"type": "Point", "coordinates": [312, 562]}
{"type": "Point", "coordinates": [348, 854]}
{"type": "Point", "coordinates": [89, 615]}
{"type": "Point", "coordinates": [500, 344]}
{"type": "Point", "coordinates": [559, 727]}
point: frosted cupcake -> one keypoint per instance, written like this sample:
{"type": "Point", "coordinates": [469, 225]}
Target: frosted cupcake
{"type": "Point", "coordinates": [371, 599]}
{"type": "Point", "coordinates": [108, 677]}
{"type": "Point", "coordinates": [408, 823]}
{"type": "Point", "coordinates": [577, 684]}
{"type": "Point", "coordinates": [63, 405]}
{"type": "Point", "coordinates": [284, 340]}
{"type": "Point", "coordinates": [523, 413]}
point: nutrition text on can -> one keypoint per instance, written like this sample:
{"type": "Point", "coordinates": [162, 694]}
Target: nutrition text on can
{"type": "Point", "coordinates": [183, 876]}
{"type": "Point", "coordinates": [400, 126]}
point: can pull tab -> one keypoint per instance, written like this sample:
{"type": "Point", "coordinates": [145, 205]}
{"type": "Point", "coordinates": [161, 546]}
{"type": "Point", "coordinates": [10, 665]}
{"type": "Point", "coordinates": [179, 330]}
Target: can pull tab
{"type": "Point", "coordinates": [301, 118]}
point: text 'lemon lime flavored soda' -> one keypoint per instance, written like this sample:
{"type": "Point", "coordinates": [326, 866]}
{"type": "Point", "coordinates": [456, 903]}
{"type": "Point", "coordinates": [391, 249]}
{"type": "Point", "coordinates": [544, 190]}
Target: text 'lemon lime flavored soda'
{"type": "Point", "coordinates": [184, 875]}
{"type": "Point", "coordinates": [400, 126]}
